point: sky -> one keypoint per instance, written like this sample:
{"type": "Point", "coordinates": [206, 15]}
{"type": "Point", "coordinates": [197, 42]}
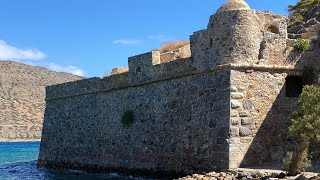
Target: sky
{"type": "Point", "coordinates": [91, 37]}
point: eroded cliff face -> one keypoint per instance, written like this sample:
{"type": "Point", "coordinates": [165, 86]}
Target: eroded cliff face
{"type": "Point", "coordinates": [22, 94]}
{"type": "Point", "coordinates": [308, 27]}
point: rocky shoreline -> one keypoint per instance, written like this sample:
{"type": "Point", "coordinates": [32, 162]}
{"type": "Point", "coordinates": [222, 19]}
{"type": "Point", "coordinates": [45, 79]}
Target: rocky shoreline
{"type": "Point", "coordinates": [251, 175]}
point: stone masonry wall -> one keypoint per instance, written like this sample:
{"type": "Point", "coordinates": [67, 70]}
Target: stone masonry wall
{"type": "Point", "coordinates": [181, 124]}
{"type": "Point", "coordinates": [260, 115]}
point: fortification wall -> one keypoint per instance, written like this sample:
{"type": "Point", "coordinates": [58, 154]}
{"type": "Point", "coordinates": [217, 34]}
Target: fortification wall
{"type": "Point", "coordinates": [223, 107]}
{"type": "Point", "coordinates": [181, 123]}
{"type": "Point", "coordinates": [260, 116]}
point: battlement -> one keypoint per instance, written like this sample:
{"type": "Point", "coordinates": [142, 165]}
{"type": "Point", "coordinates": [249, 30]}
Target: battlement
{"type": "Point", "coordinates": [234, 35]}
{"type": "Point", "coordinates": [204, 111]}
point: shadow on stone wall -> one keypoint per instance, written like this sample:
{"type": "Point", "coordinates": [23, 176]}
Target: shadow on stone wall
{"type": "Point", "coordinates": [271, 143]}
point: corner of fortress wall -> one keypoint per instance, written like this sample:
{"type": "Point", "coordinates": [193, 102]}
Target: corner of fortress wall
{"type": "Point", "coordinates": [223, 107]}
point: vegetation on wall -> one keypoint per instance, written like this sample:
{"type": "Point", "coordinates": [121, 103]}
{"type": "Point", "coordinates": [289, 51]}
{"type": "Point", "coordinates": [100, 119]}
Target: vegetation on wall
{"type": "Point", "coordinates": [127, 118]}
{"type": "Point", "coordinates": [173, 45]}
{"type": "Point", "coordinates": [302, 45]}
{"type": "Point", "coordinates": [304, 129]}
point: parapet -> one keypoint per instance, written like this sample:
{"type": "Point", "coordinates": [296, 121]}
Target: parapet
{"type": "Point", "coordinates": [140, 66]}
{"type": "Point", "coordinates": [119, 70]}
{"type": "Point", "coordinates": [235, 35]}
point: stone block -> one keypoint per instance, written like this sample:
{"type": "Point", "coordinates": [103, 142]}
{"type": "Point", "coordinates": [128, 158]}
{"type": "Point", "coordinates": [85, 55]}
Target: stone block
{"type": "Point", "coordinates": [247, 104]}
{"type": "Point", "coordinates": [241, 88]}
{"type": "Point", "coordinates": [235, 156]}
{"type": "Point", "coordinates": [234, 140]}
{"type": "Point", "coordinates": [234, 131]}
{"type": "Point", "coordinates": [213, 123]}
{"type": "Point", "coordinates": [237, 95]}
{"type": "Point", "coordinates": [221, 141]}
{"type": "Point", "coordinates": [213, 133]}
{"type": "Point", "coordinates": [224, 132]}
{"type": "Point", "coordinates": [233, 89]}
{"type": "Point", "coordinates": [246, 121]}
{"type": "Point", "coordinates": [235, 104]}
{"type": "Point", "coordinates": [234, 114]}
{"type": "Point", "coordinates": [246, 140]}
{"type": "Point", "coordinates": [235, 121]}
{"type": "Point", "coordinates": [233, 165]}
{"type": "Point", "coordinates": [244, 114]}
{"type": "Point", "coordinates": [244, 131]}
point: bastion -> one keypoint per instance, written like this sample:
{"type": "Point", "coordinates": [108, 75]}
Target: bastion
{"type": "Point", "coordinates": [226, 106]}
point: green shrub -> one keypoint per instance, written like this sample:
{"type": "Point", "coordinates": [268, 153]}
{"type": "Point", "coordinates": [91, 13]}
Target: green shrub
{"type": "Point", "coordinates": [295, 17]}
{"type": "Point", "coordinates": [305, 122]}
{"type": "Point", "coordinates": [127, 118]}
{"type": "Point", "coordinates": [288, 159]}
{"type": "Point", "coordinates": [304, 127]}
{"type": "Point", "coordinates": [302, 4]}
{"type": "Point", "coordinates": [302, 44]}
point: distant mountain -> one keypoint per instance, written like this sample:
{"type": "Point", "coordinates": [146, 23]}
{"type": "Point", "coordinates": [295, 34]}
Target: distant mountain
{"type": "Point", "coordinates": [22, 94]}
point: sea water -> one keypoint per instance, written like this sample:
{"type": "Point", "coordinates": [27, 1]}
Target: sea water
{"type": "Point", "coordinates": [18, 161]}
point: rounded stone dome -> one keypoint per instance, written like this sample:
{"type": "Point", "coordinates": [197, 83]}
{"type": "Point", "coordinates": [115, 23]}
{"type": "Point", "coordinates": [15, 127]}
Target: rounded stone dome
{"type": "Point", "coordinates": [234, 5]}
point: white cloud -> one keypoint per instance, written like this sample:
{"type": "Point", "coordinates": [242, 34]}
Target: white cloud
{"type": "Point", "coordinates": [34, 57]}
{"type": "Point", "coordinates": [68, 69]}
{"type": "Point", "coordinates": [9, 52]}
{"type": "Point", "coordinates": [160, 37]}
{"type": "Point", "coordinates": [126, 41]}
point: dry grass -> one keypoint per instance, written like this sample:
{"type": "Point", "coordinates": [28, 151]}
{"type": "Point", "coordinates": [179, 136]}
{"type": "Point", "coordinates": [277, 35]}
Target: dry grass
{"type": "Point", "coordinates": [173, 45]}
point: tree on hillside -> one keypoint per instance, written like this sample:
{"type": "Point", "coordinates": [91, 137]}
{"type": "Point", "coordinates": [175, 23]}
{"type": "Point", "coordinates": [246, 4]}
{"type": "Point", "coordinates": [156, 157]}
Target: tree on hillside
{"type": "Point", "coordinates": [304, 128]}
{"type": "Point", "coordinates": [295, 14]}
{"type": "Point", "coordinates": [302, 4]}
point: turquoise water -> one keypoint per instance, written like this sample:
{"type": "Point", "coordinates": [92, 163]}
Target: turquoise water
{"type": "Point", "coordinates": [18, 161]}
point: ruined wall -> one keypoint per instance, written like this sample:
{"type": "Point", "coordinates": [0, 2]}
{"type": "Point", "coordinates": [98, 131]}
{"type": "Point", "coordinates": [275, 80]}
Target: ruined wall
{"type": "Point", "coordinates": [181, 123]}
{"type": "Point", "coordinates": [260, 115]}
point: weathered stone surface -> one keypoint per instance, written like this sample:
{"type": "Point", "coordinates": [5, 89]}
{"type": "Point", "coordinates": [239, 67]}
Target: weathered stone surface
{"type": "Point", "coordinates": [237, 95]}
{"type": "Point", "coordinates": [235, 104]}
{"type": "Point", "coordinates": [177, 121]}
{"type": "Point", "coordinates": [234, 131]}
{"type": "Point", "coordinates": [223, 107]}
{"type": "Point", "coordinates": [235, 121]}
{"type": "Point", "coordinates": [247, 104]}
{"type": "Point", "coordinates": [234, 5]}
{"type": "Point", "coordinates": [244, 131]}
{"type": "Point", "coordinates": [234, 114]}
{"type": "Point", "coordinates": [246, 121]}
{"type": "Point", "coordinates": [244, 114]}
{"type": "Point", "coordinates": [263, 121]}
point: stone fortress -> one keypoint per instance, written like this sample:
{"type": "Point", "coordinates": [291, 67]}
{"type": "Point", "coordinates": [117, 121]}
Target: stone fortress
{"type": "Point", "coordinates": [226, 106]}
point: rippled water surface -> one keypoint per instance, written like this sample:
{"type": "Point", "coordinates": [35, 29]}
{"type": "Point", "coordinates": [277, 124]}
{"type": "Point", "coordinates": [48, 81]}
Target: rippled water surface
{"type": "Point", "coordinates": [18, 161]}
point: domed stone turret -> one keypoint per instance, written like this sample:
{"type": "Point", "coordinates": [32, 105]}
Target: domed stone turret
{"type": "Point", "coordinates": [239, 35]}
{"type": "Point", "coordinates": [234, 5]}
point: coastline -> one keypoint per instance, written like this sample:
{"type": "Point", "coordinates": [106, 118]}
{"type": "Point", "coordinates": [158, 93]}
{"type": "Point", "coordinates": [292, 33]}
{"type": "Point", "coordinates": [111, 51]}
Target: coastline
{"type": "Point", "coordinates": [21, 141]}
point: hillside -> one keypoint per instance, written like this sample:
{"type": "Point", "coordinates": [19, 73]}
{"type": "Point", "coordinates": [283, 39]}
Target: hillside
{"type": "Point", "coordinates": [22, 94]}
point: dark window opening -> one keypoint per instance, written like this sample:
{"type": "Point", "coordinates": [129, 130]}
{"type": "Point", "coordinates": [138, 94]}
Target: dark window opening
{"type": "Point", "coordinates": [294, 86]}
{"type": "Point", "coordinates": [211, 41]}
{"type": "Point", "coordinates": [138, 69]}
{"type": "Point", "coordinates": [273, 29]}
